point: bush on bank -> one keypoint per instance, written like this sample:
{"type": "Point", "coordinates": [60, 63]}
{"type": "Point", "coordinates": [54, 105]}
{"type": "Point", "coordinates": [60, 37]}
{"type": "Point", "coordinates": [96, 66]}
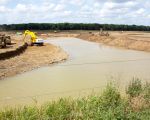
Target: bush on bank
{"type": "Point", "coordinates": [107, 106]}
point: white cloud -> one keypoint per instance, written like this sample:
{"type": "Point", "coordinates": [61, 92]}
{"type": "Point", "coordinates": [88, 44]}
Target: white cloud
{"type": "Point", "coordinates": [100, 11]}
{"type": "Point", "coordinates": [96, 4]}
{"type": "Point", "coordinates": [3, 9]}
{"type": "Point", "coordinates": [21, 8]}
{"type": "Point", "coordinates": [4, 1]}
{"type": "Point", "coordinates": [140, 11]}
{"type": "Point", "coordinates": [59, 7]}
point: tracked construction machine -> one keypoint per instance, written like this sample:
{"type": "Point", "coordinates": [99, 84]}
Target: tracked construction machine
{"type": "Point", "coordinates": [4, 40]}
{"type": "Point", "coordinates": [34, 40]}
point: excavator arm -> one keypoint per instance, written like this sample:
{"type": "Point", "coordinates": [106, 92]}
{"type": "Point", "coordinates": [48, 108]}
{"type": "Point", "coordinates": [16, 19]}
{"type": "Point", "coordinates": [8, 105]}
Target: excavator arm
{"type": "Point", "coordinates": [34, 39]}
{"type": "Point", "coordinates": [32, 34]}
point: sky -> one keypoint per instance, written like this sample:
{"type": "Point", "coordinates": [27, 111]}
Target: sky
{"type": "Point", "coordinates": [75, 11]}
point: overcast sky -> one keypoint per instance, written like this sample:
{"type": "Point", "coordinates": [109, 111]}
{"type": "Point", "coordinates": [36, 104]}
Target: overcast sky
{"type": "Point", "coordinates": [77, 11]}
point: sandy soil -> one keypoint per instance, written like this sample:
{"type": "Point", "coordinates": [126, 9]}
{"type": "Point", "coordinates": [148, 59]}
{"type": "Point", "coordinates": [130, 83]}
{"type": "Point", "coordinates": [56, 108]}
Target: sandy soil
{"type": "Point", "coordinates": [33, 57]}
{"type": "Point", "coordinates": [16, 41]}
{"type": "Point", "coordinates": [13, 46]}
{"type": "Point", "coordinates": [129, 40]}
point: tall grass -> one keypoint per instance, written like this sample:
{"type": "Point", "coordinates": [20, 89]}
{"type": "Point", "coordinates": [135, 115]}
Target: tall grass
{"type": "Point", "coordinates": [107, 106]}
{"type": "Point", "coordinates": [135, 88]}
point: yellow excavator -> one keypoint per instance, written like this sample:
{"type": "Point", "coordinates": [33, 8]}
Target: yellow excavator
{"type": "Point", "coordinates": [34, 39]}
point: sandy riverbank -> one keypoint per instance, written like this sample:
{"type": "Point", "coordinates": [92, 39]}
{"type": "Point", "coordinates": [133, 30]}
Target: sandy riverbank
{"type": "Point", "coordinates": [128, 40]}
{"type": "Point", "coordinates": [32, 58]}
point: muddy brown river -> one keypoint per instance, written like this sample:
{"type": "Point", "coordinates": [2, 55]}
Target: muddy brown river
{"type": "Point", "coordinates": [89, 68]}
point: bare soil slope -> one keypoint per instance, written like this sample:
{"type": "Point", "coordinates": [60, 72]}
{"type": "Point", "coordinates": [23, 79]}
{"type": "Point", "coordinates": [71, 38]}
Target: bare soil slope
{"type": "Point", "coordinates": [33, 57]}
{"type": "Point", "coordinates": [128, 40]}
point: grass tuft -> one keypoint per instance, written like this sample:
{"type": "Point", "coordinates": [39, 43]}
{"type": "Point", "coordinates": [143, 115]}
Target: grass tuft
{"type": "Point", "coordinates": [135, 88]}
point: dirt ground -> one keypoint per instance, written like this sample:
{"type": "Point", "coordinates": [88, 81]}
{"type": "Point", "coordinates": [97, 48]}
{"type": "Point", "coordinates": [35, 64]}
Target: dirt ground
{"type": "Point", "coordinates": [128, 40]}
{"type": "Point", "coordinates": [33, 57]}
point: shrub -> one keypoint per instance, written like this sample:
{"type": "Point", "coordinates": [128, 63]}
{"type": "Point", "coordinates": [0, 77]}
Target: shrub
{"type": "Point", "coordinates": [146, 92]}
{"type": "Point", "coordinates": [110, 97]}
{"type": "Point", "coordinates": [58, 110]}
{"type": "Point", "coordinates": [135, 88]}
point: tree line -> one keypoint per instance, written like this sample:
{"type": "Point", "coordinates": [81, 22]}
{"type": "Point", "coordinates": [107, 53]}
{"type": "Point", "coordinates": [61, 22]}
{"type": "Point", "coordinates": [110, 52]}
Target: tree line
{"type": "Point", "coordinates": [74, 26]}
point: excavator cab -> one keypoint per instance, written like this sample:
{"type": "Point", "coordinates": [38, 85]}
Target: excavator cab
{"type": "Point", "coordinates": [34, 40]}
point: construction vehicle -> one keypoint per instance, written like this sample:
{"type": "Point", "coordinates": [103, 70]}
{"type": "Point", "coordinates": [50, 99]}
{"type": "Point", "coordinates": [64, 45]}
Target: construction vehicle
{"type": "Point", "coordinates": [4, 40]}
{"type": "Point", "coordinates": [102, 33]}
{"type": "Point", "coordinates": [8, 40]}
{"type": "Point", "coordinates": [34, 40]}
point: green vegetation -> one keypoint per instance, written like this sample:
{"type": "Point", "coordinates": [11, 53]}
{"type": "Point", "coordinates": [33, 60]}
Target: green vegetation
{"type": "Point", "coordinates": [135, 88]}
{"type": "Point", "coordinates": [73, 26]}
{"type": "Point", "coordinates": [107, 106]}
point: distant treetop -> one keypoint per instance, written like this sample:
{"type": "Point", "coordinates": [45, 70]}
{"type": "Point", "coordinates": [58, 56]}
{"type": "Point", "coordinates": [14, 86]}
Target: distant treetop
{"type": "Point", "coordinates": [74, 26]}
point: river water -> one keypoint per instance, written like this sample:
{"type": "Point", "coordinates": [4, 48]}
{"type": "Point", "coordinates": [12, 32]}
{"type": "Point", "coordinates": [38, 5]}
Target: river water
{"type": "Point", "coordinates": [89, 68]}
